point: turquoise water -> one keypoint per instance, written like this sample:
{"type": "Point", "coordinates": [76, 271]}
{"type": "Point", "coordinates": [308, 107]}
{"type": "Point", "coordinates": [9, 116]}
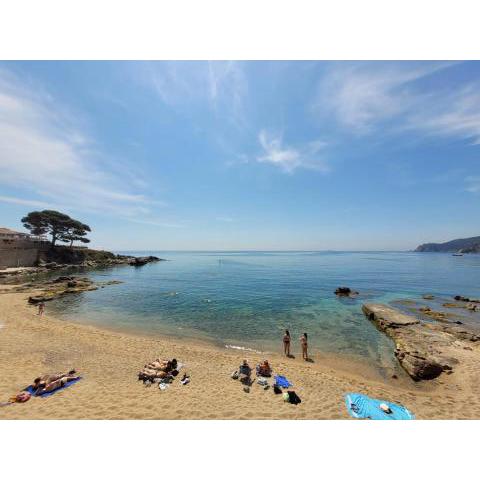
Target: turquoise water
{"type": "Point", "coordinates": [247, 299]}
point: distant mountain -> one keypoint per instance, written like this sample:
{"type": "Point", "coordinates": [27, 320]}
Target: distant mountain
{"type": "Point", "coordinates": [462, 245]}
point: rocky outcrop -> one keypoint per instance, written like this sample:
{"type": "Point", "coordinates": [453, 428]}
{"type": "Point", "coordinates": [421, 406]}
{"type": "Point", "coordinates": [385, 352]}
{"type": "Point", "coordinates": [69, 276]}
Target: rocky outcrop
{"type": "Point", "coordinates": [71, 259]}
{"type": "Point", "coordinates": [423, 350]}
{"type": "Point", "coordinates": [63, 285]}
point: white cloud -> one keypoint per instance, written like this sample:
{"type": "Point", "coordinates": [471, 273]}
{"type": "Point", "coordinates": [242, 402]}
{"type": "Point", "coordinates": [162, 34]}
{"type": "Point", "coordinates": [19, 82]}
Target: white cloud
{"type": "Point", "coordinates": [361, 95]}
{"type": "Point", "coordinates": [43, 153]}
{"type": "Point", "coordinates": [289, 158]}
{"type": "Point", "coordinates": [455, 114]}
{"type": "Point", "coordinates": [367, 97]}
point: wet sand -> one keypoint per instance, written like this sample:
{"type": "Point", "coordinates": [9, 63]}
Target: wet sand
{"type": "Point", "coordinates": [109, 363]}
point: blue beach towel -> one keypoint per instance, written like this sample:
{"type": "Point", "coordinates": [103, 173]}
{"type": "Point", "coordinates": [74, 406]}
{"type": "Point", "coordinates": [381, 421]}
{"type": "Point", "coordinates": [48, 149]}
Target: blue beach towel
{"type": "Point", "coordinates": [361, 406]}
{"type": "Point", "coordinates": [281, 381]}
{"type": "Point", "coordinates": [30, 389]}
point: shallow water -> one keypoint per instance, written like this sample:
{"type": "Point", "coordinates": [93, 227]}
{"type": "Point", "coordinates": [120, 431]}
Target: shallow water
{"type": "Point", "coordinates": [247, 299]}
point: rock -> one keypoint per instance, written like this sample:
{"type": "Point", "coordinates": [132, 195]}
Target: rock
{"type": "Point", "coordinates": [467, 306]}
{"type": "Point", "coordinates": [428, 297]}
{"type": "Point", "coordinates": [139, 261]}
{"type": "Point", "coordinates": [40, 298]}
{"type": "Point", "coordinates": [423, 350]}
{"type": "Point", "coordinates": [439, 316]}
{"type": "Point", "coordinates": [111, 282]}
{"type": "Point", "coordinates": [63, 279]}
{"type": "Point", "coordinates": [460, 298]}
{"type": "Point", "coordinates": [345, 292]}
{"type": "Point", "coordinates": [50, 265]}
{"type": "Point", "coordinates": [418, 366]}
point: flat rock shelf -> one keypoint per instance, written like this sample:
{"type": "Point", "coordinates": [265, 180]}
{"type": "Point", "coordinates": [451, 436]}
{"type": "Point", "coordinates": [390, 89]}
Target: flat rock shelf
{"type": "Point", "coordinates": [424, 350]}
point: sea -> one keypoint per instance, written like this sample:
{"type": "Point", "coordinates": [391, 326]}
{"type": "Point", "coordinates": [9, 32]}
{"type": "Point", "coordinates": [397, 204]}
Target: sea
{"type": "Point", "coordinates": [244, 300]}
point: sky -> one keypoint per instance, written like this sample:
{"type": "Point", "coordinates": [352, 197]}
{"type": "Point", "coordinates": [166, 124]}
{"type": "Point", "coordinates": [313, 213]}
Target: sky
{"type": "Point", "coordinates": [245, 155]}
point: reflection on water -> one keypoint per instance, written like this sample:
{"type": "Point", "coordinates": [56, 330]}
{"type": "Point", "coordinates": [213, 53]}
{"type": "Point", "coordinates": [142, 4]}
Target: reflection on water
{"type": "Point", "coordinates": [247, 299]}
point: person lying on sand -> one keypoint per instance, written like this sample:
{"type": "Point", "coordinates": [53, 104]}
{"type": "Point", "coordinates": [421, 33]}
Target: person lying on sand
{"type": "Point", "coordinates": [53, 385]}
{"type": "Point", "coordinates": [264, 369]}
{"type": "Point", "coordinates": [44, 380]}
{"type": "Point", "coordinates": [154, 373]}
{"type": "Point", "coordinates": [163, 365]}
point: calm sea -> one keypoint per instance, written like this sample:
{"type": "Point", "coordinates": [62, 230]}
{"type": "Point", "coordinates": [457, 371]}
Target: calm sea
{"type": "Point", "coordinates": [246, 299]}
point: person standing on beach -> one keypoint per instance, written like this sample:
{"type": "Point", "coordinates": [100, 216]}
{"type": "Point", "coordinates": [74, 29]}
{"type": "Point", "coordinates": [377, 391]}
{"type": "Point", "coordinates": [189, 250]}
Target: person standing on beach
{"type": "Point", "coordinates": [286, 343]}
{"type": "Point", "coordinates": [41, 308]}
{"type": "Point", "coordinates": [304, 345]}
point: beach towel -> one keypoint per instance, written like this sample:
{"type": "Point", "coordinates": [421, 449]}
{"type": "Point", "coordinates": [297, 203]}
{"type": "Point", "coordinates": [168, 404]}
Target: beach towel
{"type": "Point", "coordinates": [281, 381]}
{"type": "Point", "coordinates": [361, 406]}
{"type": "Point", "coordinates": [31, 390]}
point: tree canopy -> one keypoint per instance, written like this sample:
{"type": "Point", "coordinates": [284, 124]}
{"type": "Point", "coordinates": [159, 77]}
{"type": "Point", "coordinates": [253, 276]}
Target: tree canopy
{"type": "Point", "coordinates": [58, 225]}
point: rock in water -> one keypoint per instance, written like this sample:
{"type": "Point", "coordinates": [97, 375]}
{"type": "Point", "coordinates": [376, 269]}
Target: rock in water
{"type": "Point", "coordinates": [345, 292]}
{"type": "Point", "coordinates": [139, 261]}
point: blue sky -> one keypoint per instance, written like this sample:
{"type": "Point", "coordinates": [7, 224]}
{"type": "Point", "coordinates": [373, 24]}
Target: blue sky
{"type": "Point", "coordinates": [245, 155]}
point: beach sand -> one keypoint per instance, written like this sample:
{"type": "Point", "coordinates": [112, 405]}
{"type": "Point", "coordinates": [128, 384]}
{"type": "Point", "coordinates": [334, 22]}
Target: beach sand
{"type": "Point", "coordinates": [110, 361]}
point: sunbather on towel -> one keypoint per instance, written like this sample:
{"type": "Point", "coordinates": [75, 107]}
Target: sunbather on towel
{"type": "Point", "coordinates": [53, 385]}
{"type": "Point", "coordinates": [164, 365]}
{"type": "Point", "coordinates": [264, 369]}
{"type": "Point", "coordinates": [44, 380]}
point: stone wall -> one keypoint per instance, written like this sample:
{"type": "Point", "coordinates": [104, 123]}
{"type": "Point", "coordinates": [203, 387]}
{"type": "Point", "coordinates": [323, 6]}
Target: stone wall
{"type": "Point", "coordinates": [22, 253]}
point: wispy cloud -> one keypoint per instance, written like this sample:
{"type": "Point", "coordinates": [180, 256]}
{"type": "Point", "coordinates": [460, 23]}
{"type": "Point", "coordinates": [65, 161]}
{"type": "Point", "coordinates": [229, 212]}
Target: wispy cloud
{"type": "Point", "coordinates": [44, 153]}
{"type": "Point", "coordinates": [452, 114]}
{"type": "Point", "coordinates": [367, 97]}
{"type": "Point", "coordinates": [221, 86]}
{"type": "Point", "coordinates": [289, 158]}
{"type": "Point", "coordinates": [24, 201]}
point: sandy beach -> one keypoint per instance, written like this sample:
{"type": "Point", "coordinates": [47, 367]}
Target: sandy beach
{"type": "Point", "coordinates": [109, 363]}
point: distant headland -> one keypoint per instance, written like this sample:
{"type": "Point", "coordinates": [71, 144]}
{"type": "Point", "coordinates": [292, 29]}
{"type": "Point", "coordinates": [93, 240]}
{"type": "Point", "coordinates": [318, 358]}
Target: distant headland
{"type": "Point", "coordinates": [460, 245]}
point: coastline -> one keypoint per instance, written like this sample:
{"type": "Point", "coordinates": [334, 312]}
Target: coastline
{"type": "Point", "coordinates": [109, 362]}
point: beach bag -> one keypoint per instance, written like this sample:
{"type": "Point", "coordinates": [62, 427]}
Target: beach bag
{"type": "Point", "coordinates": [235, 375]}
{"type": "Point", "coordinates": [293, 398]}
{"type": "Point", "coordinates": [277, 389]}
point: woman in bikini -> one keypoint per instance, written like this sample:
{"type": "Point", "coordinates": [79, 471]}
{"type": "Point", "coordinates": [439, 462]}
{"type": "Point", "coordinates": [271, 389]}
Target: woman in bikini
{"type": "Point", "coordinates": [304, 345]}
{"type": "Point", "coordinates": [286, 343]}
{"type": "Point", "coordinates": [48, 383]}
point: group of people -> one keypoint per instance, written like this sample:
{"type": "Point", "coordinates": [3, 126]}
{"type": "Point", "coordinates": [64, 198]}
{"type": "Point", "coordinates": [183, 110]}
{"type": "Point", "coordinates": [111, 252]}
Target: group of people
{"type": "Point", "coordinates": [244, 372]}
{"type": "Point", "coordinates": [159, 369]}
{"type": "Point", "coordinates": [303, 344]}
